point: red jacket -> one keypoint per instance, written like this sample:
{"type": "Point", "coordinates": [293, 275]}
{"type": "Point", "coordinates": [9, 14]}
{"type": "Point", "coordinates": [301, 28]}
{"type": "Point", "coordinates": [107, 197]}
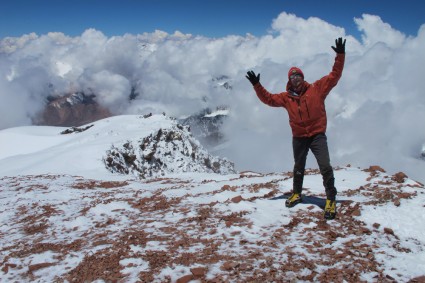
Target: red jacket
{"type": "Point", "coordinates": [307, 113]}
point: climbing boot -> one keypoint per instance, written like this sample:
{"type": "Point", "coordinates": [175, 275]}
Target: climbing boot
{"type": "Point", "coordinates": [293, 200]}
{"type": "Point", "coordinates": [330, 209]}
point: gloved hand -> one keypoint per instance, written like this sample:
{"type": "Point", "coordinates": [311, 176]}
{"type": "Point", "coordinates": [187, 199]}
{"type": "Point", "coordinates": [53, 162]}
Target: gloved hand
{"type": "Point", "coordinates": [339, 46]}
{"type": "Point", "coordinates": [253, 78]}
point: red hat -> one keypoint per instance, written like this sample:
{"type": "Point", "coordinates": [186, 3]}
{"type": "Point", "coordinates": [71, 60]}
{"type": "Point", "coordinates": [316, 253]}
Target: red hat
{"type": "Point", "coordinates": [295, 70]}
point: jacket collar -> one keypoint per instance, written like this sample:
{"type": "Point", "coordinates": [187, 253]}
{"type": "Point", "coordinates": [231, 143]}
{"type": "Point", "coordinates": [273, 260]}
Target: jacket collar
{"type": "Point", "coordinates": [304, 88]}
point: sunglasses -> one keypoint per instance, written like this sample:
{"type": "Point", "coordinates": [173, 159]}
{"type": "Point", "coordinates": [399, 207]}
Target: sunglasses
{"type": "Point", "coordinates": [295, 76]}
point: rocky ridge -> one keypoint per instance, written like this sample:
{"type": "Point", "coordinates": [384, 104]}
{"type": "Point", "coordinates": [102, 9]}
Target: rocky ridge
{"type": "Point", "coordinates": [167, 151]}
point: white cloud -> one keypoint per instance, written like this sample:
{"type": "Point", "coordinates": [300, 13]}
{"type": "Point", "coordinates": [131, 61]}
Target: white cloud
{"type": "Point", "coordinates": [108, 87]}
{"type": "Point", "coordinates": [375, 30]}
{"type": "Point", "coordinates": [376, 112]}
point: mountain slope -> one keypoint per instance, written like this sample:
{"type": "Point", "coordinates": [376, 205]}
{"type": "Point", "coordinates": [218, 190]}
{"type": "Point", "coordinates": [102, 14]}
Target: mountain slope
{"type": "Point", "coordinates": [84, 151]}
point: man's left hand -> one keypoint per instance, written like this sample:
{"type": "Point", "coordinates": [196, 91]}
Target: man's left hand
{"type": "Point", "coordinates": [339, 46]}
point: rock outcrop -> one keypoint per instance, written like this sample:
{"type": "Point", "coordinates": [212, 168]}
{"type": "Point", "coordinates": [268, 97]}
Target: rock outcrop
{"type": "Point", "coordinates": [170, 150]}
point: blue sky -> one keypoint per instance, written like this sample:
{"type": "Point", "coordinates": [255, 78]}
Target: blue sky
{"type": "Point", "coordinates": [216, 18]}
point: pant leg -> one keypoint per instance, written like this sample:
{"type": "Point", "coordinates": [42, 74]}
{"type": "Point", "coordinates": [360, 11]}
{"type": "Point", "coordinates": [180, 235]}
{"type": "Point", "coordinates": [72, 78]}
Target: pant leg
{"type": "Point", "coordinates": [300, 148]}
{"type": "Point", "coordinates": [319, 147]}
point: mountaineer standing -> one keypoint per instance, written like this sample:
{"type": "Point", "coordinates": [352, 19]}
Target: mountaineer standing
{"type": "Point", "coordinates": [305, 104]}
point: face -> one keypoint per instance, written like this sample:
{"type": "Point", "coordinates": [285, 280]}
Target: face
{"type": "Point", "coordinates": [296, 81]}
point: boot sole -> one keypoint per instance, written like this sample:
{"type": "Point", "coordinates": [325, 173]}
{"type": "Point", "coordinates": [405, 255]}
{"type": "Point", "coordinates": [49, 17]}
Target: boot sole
{"type": "Point", "coordinates": [294, 203]}
{"type": "Point", "coordinates": [330, 216]}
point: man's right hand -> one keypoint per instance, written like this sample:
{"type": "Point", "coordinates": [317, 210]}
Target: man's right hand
{"type": "Point", "coordinates": [253, 78]}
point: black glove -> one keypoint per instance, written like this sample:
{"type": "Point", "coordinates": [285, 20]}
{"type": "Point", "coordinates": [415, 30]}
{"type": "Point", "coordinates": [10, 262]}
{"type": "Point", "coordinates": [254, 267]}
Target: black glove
{"type": "Point", "coordinates": [253, 78]}
{"type": "Point", "coordinates": [340, 46]}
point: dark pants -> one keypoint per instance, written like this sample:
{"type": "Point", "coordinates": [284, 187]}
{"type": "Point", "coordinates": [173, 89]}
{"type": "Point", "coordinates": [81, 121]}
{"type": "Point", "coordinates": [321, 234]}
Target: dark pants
{"type": "Point", "coordinates": [319, 146]}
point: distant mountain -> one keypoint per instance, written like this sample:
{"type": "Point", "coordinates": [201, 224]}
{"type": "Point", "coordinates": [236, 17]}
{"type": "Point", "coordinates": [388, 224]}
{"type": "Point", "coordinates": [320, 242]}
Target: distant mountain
{"type": "Point", "coordinates": [206, 125]}
{"type": "Point", "coordinates": [222, 81]}
{"type": "Point", "coordinates": [74, 109]}
{"type": "Point", "coordinates": [78, 108]}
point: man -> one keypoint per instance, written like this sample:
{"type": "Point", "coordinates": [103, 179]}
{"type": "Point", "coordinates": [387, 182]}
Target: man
{"type": "Point", "coordinates": [305, 104]}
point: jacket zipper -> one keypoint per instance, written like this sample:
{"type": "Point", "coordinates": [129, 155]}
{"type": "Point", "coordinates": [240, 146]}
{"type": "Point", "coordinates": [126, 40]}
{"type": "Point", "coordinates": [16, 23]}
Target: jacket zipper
{"type": "Point", "coordinates": [308, 112]}
{"type": "Point", "coordinates": [299, 109]}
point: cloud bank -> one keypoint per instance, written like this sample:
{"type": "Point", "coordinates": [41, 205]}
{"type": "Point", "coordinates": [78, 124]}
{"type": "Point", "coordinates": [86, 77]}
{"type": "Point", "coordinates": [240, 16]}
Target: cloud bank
{"type": "Point", "coordinates": [376, 113]}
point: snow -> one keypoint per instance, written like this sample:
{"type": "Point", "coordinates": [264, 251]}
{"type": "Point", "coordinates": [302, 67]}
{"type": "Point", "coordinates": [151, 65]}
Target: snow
{"type": "Point", "coordinates": [218, 112]}
{"type": "Point", "coordinates": [65, 217]}
{"type": "Point", "coordinates": [77, 154]}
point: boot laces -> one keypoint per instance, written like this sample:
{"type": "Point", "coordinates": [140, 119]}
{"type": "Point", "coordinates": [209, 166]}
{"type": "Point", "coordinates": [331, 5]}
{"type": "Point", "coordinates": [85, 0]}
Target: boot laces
{"type": "Point", "coordinates": [330, 206]}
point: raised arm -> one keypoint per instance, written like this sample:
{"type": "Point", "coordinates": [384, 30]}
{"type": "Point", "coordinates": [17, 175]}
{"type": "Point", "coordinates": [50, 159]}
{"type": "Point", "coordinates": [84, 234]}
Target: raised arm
{"type": "Point", "coordinates": [274, 100]}
{"type": "Point", "coordinates": [330, 81]}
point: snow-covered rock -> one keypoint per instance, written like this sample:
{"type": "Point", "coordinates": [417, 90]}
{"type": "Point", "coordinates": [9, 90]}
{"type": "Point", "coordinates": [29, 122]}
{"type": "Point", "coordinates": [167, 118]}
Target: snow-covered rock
{"type": "Point", "coordinates": [168, 150]}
